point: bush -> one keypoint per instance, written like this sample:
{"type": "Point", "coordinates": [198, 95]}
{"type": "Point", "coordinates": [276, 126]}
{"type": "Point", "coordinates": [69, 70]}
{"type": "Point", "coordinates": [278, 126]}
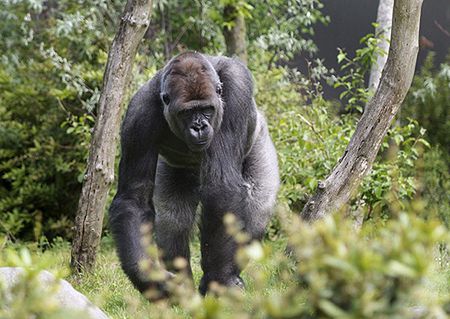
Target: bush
{"type": "Point", "coordinates": [334, 272]}
{"type": "Point", "coordinates": [50, 71]}
{"type": "Point", "coordinates": [310, 139]}
{"type": "Point", "coordinates": [434, 185]}
{"type": "Point", "coordinates": [428, 103]}
{"type": "Point", "coordinates": [40, 163]}
{"type": "Point", "coordinates": [28, 297]}
{"type": "Point", "coordinates": [394, 176]}
{"type": "Point", "coordinates": [352, 276]}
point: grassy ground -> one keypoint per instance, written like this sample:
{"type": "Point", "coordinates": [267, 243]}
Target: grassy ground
{"type": "Point", "coordinates": [109, 288]}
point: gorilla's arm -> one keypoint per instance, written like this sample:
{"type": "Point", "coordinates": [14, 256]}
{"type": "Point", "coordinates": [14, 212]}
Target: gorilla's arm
{"type": "Point", "coordinates": [224, 186]}
{"type": "Point", "coordinates": [132, 205]}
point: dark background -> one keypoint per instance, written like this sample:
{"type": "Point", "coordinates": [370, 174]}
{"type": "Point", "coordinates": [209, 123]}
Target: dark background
{"type": "Point", "coordinates": [352, 19]}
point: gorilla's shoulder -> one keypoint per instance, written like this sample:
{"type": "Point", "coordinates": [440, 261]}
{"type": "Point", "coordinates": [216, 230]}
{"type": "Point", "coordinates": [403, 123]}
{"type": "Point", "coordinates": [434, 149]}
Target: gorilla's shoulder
{"type": "Point", "coordinates": [144, 109]}
{"type": "Point", "coordinates": [147, 97]}
{"type": "Point", "coordinates": [230, 66]}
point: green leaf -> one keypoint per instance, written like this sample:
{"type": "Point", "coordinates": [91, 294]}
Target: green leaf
{"type": "Point", "coordinates": [341, 56]}
{"type": "Point", "coordinates": [331, 309]}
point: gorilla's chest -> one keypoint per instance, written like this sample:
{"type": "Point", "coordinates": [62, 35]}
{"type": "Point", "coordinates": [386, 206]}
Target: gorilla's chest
{"type": "Point", "coordinates": [177, 154]}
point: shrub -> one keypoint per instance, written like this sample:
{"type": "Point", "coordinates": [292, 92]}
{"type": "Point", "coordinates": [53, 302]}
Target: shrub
{"type": "Point", "coordinates": [27, 297]}
{"type": "Point", "coordinates": [333, 272]}
{"type": "Point", "coordinates": [352, 276]}
{"type": "Point", "coordinates": [428, 102]}
{"type": "Point", "coordinates": [40, 163]}
{"type": "Point", "coordinates": [50, 70]}
{"type": "Point", "coordinates": [434, 185]}
{"type": "Point", "coordinates": [309, 140]}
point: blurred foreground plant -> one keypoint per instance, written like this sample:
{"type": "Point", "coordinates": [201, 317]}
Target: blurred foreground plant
{"type": "Point", "coordinates": [27, 297]}
{"type": "Point", "coordinates": [352, 275]}
{"type": "Point", "coordinates": [333, 272]}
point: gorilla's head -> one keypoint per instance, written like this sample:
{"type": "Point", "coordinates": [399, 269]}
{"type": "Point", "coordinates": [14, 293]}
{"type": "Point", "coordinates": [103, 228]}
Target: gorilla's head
{"type": "Point", "coordinates": [191, 94]}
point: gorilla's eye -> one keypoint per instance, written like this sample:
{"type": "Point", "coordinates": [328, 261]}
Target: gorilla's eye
{"type": "Point", "coordinates": [208, 111]}
{"type": "Point", "coordinates": [219, 89]}
{"type": "Point", "coordinates": [165, 98]}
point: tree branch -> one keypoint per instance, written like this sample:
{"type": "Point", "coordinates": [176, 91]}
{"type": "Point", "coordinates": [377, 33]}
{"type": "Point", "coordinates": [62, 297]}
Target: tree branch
{"type": "Point", "coordinates": [100, 167]}
{"type": "Point", "coordinates": [339, 187]}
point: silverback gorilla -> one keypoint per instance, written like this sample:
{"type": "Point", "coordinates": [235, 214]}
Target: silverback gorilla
{"type": "Point", "coordinates": [193, 135]}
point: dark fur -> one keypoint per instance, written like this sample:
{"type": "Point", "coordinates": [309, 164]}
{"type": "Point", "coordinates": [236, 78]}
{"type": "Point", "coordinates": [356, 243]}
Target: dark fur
{"type": "Point", "coordinates": [163, 178]}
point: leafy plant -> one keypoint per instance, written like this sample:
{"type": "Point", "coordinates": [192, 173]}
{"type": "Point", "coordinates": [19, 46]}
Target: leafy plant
{"type": "Point", "coordinates": [428, 102]}
{"type": "Point", "coordinates": [50, 72]}
{"type": "Point", "coordinates": [355, 94]}
{"type": "Point", "coordinates": [27, 297]}
{"type": "Point", "coordinates": [283, 28]}
{"type": "Point", "coordinates": [394, 176]}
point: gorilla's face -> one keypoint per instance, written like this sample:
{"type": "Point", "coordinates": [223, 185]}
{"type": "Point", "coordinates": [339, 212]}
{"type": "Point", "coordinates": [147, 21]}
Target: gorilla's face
{"type": "Point", "coordinates": [191, 95]}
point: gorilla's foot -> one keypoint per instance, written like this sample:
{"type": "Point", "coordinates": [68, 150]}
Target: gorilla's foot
{"type": "Point", "coordinates": [229, 281]}
{"type": "Point", "coordinates": [156, 291]}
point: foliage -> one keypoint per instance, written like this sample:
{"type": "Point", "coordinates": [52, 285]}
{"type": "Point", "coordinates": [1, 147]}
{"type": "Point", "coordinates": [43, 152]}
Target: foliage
{"type": "Point", "coordinates": [334, 272]}
{"type": "Point", "coordinates": [348, 276]}
{"type": "Point", "coordinates": [309, 140]}
{"type": "Point", "coordinates": [283, 28]}
{"type": "Point", "coordinates": [179, 25]}
{"type": "Point", "coordinates": [394, 177]}
{"type": "Point", "coordinates": [434, 184]}
{"type": "Point", "coordinates": [428, 102]}
{"type": "Point", "coordinates": [27, 297]}
{"type": "Point", "coordinates": [40, 162]}
{"type": "Point", "coordinates": [355, 94]}
{"type": "Point", "coordinates": [50, 72]}
{"type": "Point", "coordinates": [308, 143]}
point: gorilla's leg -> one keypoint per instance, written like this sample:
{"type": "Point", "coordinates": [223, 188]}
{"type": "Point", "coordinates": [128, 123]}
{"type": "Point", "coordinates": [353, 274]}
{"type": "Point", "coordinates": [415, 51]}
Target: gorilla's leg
{"type": "Point", "coordinates": [251, 198]}
{"type": "Point", "coordinates": [218, 250]}
{"type": "Point", "coordinates": [176, 199]}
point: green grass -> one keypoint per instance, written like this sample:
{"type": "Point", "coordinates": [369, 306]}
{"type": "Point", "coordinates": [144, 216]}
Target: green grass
{"type": "Point", "coordinates": [109, 288]}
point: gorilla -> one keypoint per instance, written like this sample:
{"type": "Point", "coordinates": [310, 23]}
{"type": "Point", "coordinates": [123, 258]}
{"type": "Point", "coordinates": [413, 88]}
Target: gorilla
{"type": "Point", "coordinates": [192, 136]}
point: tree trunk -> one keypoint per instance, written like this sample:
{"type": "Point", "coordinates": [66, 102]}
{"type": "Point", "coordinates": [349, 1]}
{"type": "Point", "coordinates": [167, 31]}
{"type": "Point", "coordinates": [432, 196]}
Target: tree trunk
{"type": "Point", "coordinates": [235, 35]}
{"type": "Point", "coordinates": [337, 190]}
{"type": "Point", "coordinates": [384, 21]}
{"type": "Point", "coordinates": [166, 27]}
{"type": "Point", "coordinates": [100, 166]}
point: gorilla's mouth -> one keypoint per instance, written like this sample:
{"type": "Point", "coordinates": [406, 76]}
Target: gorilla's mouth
{"type": "Point", "coordinates": [197, 146]}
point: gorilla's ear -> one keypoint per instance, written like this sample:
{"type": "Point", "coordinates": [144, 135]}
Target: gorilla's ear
{"type": "Point", "coordinates": [219, 88]}
{"type": "Point", "coordinates": [165, 98]}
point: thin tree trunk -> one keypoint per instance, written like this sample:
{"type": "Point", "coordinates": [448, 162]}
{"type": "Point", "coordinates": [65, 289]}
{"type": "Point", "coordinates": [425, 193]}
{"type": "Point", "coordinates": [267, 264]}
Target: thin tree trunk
{"type": "Point", "coordinates": [100, 166]}
{"type": "Point", "coordinates": [339, 187]}
{"type": "Point", "coordinates": [383, 31]}
{"type": "Point", "coordinates": [165, 25]}
{"type": "Point", "coordinates": [384, 21]}
{"type": "Point", "coordinates": [235, 35]}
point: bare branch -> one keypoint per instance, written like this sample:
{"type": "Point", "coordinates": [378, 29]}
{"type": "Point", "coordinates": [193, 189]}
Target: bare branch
{"type": "Point", "coordinates": [337, 190]}
{"type": "Point", "coordinates": [100, 168]}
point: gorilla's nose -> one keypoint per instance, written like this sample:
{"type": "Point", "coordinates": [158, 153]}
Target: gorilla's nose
{"type": "Point", "coordinates": [198, 130]}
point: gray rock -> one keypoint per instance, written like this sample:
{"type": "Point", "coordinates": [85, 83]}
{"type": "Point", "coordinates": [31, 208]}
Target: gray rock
{"type": "Point", "coordinates": [67, 297]}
